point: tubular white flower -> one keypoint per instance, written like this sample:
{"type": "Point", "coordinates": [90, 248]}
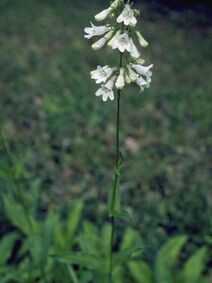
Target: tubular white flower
{"type": "Point", "coordinates": [142, 70]}
{"type": "Point", "coordinates": [121, 41]}
{"type": "Point", "coordinates": [120, 83]}
{"type": "Point", "coordinates": [104, 14]}
{"type": "Point", "coordinates": [95, 31]}
{"type": "Point", "coordinates": [142, 83]}
{"type": "Point", "coordinates": [127, 16]}
{"type": "Point", "coordinates": [101, 74]}
{"type": "Point", "coordinates": [113, 39]}
{"type": "Point", "coordinates": [134, 51]}
{"type": "Point", "coordinates": [106, 91]}
{"type": "Point", "coordinates": [141, 40]}
{"type": "Point", "coordinates": [111, 82]}
{"type": "Point", "coordinates": [99, 44]}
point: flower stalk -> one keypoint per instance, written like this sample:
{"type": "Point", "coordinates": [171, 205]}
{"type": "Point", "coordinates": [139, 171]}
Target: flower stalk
{"type": "Point", "coordinates": [121, 36]}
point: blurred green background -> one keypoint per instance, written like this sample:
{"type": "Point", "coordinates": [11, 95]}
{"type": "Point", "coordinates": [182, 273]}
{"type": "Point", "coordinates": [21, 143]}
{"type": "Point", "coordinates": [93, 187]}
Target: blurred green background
{"type": "Point", "coordinates": [62, 137]}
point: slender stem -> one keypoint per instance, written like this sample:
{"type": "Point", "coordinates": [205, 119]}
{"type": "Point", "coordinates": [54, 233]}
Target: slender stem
{"type": "Point", "coordinates": [116, 176]}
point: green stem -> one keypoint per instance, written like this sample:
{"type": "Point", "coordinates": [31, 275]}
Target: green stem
{"type": "Point", "coordinates": [117, 163]}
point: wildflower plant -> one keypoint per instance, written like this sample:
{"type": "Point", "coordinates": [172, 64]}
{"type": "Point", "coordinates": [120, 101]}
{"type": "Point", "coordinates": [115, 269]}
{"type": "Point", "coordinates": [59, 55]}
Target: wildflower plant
{"type": "Point", "coordinates": [119, 32]}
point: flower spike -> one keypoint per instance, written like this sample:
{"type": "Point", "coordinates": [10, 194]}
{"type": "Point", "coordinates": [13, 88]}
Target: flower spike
{"type": "Point", "coordinates": [121, 35]}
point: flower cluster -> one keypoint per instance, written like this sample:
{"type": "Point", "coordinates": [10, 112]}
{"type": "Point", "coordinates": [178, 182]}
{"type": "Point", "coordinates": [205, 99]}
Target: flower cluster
{"type": "Point", "coordinates": [121, 36]}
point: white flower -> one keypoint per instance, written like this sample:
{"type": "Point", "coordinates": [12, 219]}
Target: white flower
{"type": "Point", "coordinates": [142, 83]}
{"type": "Point", "coordinates": [113, 39]}
{"type": "Point", "coordinates": [120, 83]}
{"type": "Point", "coordinates": [134, 51]}
{"type": "Point", "coordinates": [142, 70]}
{"type": "Point", "coordinates": [99, 44]}
{"type": "Point", "coordinates": [106, 91]}
{"type": "Point", "coordinates": [141, 40]}
{"type": "Point", "coordinates": [127, 16]}
{"type": "Point", "coordinates": [120, 41]}
{"type": "Point", "coordinates": [95, 31]}
{"type": "Point", "coordinates": [101, 74]}
{"type": "Point", "coordinates": [103, 15]}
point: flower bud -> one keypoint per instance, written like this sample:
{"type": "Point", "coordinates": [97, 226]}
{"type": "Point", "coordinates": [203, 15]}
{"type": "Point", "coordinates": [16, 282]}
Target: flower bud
{"type": "Point", "coordinates": [140, 61]}
{"type": "Point", "coordinates": [108, 35]}
{"type": "Point", "coordinates": [99, 44]}
{"type": "Point", "coordinates": [115, 4]}
{"type": "Point", "coordinates": [103, 15]}
{"type": "Point", "coordinates": [132, 75]}
{"type": "Point", "coordinates": [141, 40]}
{"type": "Point", "coordinates": [120, 83]}
{"type": "Point", "coordinates": [127, 78]}
{"type": "Point", "coordinates": [134, 51]}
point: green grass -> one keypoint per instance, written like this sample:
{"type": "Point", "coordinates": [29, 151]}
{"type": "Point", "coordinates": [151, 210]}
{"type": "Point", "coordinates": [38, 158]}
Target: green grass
{"type": "Point", "coordinates": [65, 135]}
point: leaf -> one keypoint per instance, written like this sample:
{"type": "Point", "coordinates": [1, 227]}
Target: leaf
{"type": "Point", "coordinates": [114, 198]}
{"type": "Point", "coordinates": [73, 221]}
{"type": "Point", "coordinates": [83, 259]}
{"type": "Point", "coordinates": [125, 256]}
{"type": "Point", "coordinates": [16, 214]}
{"type": "Point", "coordinates": [166, 259]}
{"type": "Point", "coordinates": [118, 274]}
{"type": "Point", "coordinates": [64, 234]}
{"type": "Point", "coordinates": [4, 170]}
{"type": "Point", "coordinates": [131, 237]}
{"type": "Point", "coordinates": [6, 246]}
{"type": "Point", "coordinates": [194, 266]}
{"type": "Point", "coordinates": [140, 272]}
{"type": "Point", "coordinates": [89, 240]}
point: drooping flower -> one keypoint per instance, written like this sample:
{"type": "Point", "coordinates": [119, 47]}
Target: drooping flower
{"type": "Point", "coordinates": [120, 41]}
{"type": "Point", "coordinates": [101, 74]}
{"type": "Point", "coordinates": [141, 40]}
{"type": "Point", "coordinates": [127, 16]}
{"type": "Point", "coordinates": [142, 83]}
{"type": "Point", "coordinates": [120, 83]}
{"type": "Point", "coordinates": [106, 91]}
{"type": "Point", "coordinates": [142, 70]}
{"type": "Point", "coordinates": [134, 51]}
{"type": "Point", "coordinates": [99, 44]}
{"type": "Point", "coordinates": [95, 31]}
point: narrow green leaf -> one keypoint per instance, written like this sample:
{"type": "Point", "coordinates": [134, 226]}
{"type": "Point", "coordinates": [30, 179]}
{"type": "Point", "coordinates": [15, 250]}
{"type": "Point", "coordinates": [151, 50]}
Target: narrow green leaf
{"type": "Point", "coordinates": [6, 246]}
{"type": "Point", "coordinates": [114, 198]}
{"type": "Point", "coordinates": [194, 266]}
{"type": "Point", "coordinates": [83, 259]}
{"type": "Point", "coordinates": [16, 214]}
{"type": "Point", "coordinates": [140, 272]}
{"type": "Point", "coordinates": [166, 259]}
